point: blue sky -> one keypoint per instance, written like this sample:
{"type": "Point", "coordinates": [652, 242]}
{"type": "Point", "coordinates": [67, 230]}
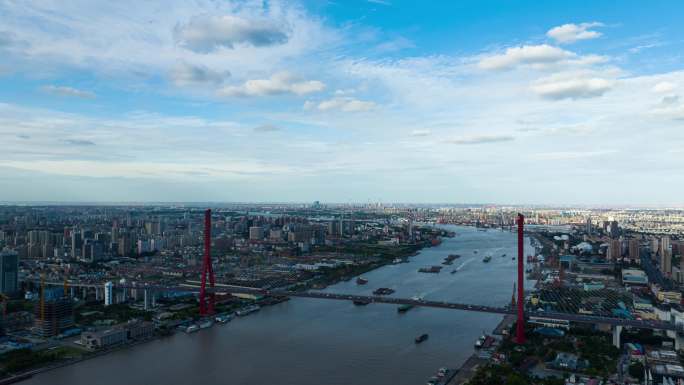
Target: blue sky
{"type": "Point", "coordinates": [342, 101]}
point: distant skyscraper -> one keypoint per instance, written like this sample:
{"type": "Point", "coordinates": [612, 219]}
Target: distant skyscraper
{"type": "Point", "coordinates": [664, 245]}
{"type": "Point", "coordinates": [587, 228]}
{"type": "Point", "coordinates": [655, 248]}
{"type": "Point", "coordinates": [76, 244]}
{"type": "Point", "coordinates": [256, 233]}
{"type": "Point", "coordinates": [634, 250]}
{"type": "Point", "coordinates": [665, 257]}
{"type": "Point", "coordinates": [614, 230]}
{"type": "Point", "coordinates": [9, 272]}
{"type": "Point", "coordinates": [614, 249]}
{"type": "Point", "coordinates": [108, 293]}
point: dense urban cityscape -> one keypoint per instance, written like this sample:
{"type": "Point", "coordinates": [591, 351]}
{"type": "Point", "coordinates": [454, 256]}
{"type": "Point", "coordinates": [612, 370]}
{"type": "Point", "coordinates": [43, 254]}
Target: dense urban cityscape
{"type": "Point", "coordinates": [79, 281]}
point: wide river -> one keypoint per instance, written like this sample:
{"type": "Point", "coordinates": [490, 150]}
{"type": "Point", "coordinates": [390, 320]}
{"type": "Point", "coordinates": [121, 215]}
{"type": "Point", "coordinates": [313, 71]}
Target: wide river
{"type": "Point", "coordinates": [313, 341]}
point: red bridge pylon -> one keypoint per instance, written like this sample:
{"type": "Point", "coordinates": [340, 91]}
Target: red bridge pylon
{"type": "Point", "coordinates": [206, 306]}
{"type": "Point", "coordinates": [520, 324]}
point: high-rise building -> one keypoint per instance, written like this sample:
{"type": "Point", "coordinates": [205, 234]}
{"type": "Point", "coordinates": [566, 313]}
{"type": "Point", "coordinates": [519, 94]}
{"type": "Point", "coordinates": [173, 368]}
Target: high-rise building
{"type": "Point", "coordinates": [614, 249]}
{"type": "Point", "coordinates": [664, 245]}
{"type": "Point", "coordinates": [665, 256]}
{"type": "Point", "coordinates": [276, 234]}
{"type": "Point", "coordinates": [633, 247]}
{"type": "Point", "coordinates": [108, 293]}
{"type": "Point", "coordinates": [587, 228]}
{"type": "Point", "coordinates": [655, 247]}
{"type": "Point", "coordinates": [53, 313]}
{"type": "Point", "coordinates": [76, 244]}
{"type": "Point", "coordinates": [124, 244]}
{"type": "Point", "coordinates": [147, 300]}
{"type": "Point", "coordinates": [93, 251]}
{"type": "Point", "coordinates": [9, 272]}
{"type": "Point", "coordinates": [256, 233]}
{"type": "Point", "coordinates": [614, 230]}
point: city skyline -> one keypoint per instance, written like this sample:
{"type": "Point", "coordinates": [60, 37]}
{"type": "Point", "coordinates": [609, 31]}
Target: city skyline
{"type": "Point", "coordinates": [363, 101]}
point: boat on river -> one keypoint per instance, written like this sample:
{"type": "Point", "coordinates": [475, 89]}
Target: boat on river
{"type": "Point", "coordinates": [421, 338]}
{"type": "Point", "coordinates": [383, 291]}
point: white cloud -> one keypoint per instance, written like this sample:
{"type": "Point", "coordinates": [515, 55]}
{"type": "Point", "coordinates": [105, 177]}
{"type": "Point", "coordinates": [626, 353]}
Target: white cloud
{"type": "Point", "coordinates": [189, 74]}
{"type": "Point", "coordinates": [421, 133]}
{"type": "Point", "coordinates": [571, 86]}
{"type": "Point", "coordinates": [68, 91]}
{"type": "Point", "coordinates": [670, 109]}
{"type": "Point", "coordinates": [137, 41]}
{"type": "Point", "coordinates": [345, 104]}
{"type": "Point", "coordinates": [570, 155]}
{"type": "Point", "coordinates": [145, 169]}
{"type": "Point", "coordinates": [570, 33]}
{"type": "Point", "coordinates": [207, 33]}
{"type": "Point", "coordinates": [663, 87]}
{"type": "Point", "coordinates": [395, 45]}
{"type": "Point", "coordinates": [279, 83]}
{"type": "Point", "coordinates": [526, 54]}
{"type": "Point", "coordinates": [481, 139]}
{"type": "Point", "coordinates": [266, 128]}
{"type": "Point", "coordinates": [79, 142]}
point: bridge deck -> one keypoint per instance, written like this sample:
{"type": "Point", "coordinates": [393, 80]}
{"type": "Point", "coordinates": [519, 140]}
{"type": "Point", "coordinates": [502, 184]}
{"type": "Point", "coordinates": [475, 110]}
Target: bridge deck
{"type": "Point", "coordinates": [227, 289]}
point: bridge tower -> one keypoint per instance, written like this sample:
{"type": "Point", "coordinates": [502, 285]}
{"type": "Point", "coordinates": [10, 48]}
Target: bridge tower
{"type": "Point", "coordinates": [207, 304]}
{"type": "Point", "coordinates": [520, 324]}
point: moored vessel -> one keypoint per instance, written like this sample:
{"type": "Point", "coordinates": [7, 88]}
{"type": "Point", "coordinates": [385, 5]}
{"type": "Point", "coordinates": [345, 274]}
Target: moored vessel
{"type": "Point", "coordinates": [248, 310]}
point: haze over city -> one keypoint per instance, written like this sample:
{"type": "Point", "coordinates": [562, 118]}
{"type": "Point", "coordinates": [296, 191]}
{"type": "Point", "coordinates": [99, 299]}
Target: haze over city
{"type": "Point", "coordinates": [351, 101]}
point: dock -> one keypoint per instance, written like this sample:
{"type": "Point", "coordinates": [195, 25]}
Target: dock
{"type": "Point", "coordinates": [467, 370]}
{"type": "Point", "coordinates": [475, 361]}
{"type": "Point", "coordinates": [505, 324]}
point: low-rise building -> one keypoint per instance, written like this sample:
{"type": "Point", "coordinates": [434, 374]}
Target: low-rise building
{"type": "Point", "coordinates": [138, 330]}
{"type": "Point", "coordinates": [119, 334]}
{"type": "Point", "coordinates": [566, 361]}
{"type": "Point", "coordinates": [103, 339]}
{"type": "Point", "coordinates": [634, 277]}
